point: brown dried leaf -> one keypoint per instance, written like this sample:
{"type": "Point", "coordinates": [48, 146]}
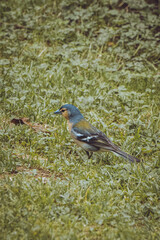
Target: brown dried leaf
{"type": "Point", "coordinates": [37, 127]}
{"type": "Point", "coordinates": [17, 121]}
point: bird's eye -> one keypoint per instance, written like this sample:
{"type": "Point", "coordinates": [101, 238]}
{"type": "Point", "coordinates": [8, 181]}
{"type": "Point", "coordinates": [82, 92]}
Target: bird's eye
{"type": "Point", "coordinates": [63, 110]}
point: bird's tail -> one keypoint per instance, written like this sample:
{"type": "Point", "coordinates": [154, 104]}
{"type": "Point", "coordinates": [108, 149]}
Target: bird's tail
{"type": "Point", "coordinates": [126, 156]}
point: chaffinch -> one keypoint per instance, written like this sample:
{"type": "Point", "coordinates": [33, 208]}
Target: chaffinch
{"type": "Point", "coordinates": [87, 136]}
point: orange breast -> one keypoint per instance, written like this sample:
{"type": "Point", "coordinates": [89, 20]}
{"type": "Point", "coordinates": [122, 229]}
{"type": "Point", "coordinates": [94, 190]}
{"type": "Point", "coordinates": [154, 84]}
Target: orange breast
{"type": "Point", "coordinates": [69, 125]}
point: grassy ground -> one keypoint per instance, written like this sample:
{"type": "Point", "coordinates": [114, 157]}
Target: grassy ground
{"type": "Point", "coordinates": [103, 57]}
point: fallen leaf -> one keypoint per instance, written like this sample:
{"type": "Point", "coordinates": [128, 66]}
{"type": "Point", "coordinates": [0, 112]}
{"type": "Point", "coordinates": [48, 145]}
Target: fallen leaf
{"type": "Point", "coordinates": [37, 127]}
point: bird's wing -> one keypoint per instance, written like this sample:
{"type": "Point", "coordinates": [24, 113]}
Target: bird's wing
{"type": "Point", "coordinates": [86, 133]}
{"type": "Point", "coordinates": [91, 135]}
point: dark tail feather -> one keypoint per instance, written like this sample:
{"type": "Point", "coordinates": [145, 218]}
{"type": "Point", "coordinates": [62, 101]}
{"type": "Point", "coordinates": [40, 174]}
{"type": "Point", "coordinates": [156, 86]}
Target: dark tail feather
{"type": "Point", "coordinates": [127, 156]}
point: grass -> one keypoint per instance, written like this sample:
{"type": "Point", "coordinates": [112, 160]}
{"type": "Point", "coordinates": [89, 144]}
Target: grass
{"type": "Point", "coordinates": [102, 57]}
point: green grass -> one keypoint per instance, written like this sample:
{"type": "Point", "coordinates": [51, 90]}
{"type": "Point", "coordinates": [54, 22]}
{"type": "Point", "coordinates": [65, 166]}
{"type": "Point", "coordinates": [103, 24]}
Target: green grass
{"type": "Point", "coordinates": [103, 57]}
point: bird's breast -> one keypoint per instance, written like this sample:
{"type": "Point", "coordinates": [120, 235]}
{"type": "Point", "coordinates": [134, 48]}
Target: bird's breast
{"type": "Point", "coordinates": [69, 126]}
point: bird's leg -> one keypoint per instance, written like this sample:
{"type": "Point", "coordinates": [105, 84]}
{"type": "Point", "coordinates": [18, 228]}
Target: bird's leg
{"type": "Point", "coordinates": [89, 155]}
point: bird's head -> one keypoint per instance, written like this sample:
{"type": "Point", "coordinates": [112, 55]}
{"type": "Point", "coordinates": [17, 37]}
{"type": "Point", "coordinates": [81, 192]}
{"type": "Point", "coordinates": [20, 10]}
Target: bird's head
{"type": "Point", "coordinates": [70, 112]}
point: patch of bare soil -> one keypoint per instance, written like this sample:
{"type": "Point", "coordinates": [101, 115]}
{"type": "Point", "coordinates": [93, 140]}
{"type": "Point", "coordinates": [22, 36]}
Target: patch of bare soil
{"type": "Point", "coordinates": [31, 172]}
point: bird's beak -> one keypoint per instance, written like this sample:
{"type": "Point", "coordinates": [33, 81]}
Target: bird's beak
{"type": "Point", "coordinates": [57, 112]}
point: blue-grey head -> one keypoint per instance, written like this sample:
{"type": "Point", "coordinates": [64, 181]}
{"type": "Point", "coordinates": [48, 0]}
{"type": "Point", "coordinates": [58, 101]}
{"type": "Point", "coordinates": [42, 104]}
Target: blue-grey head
{"type": "Point", "coordinates": [70, 112]}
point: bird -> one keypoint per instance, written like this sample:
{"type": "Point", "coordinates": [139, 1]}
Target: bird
{"type": "Point", "coordinates": [87, 136]}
